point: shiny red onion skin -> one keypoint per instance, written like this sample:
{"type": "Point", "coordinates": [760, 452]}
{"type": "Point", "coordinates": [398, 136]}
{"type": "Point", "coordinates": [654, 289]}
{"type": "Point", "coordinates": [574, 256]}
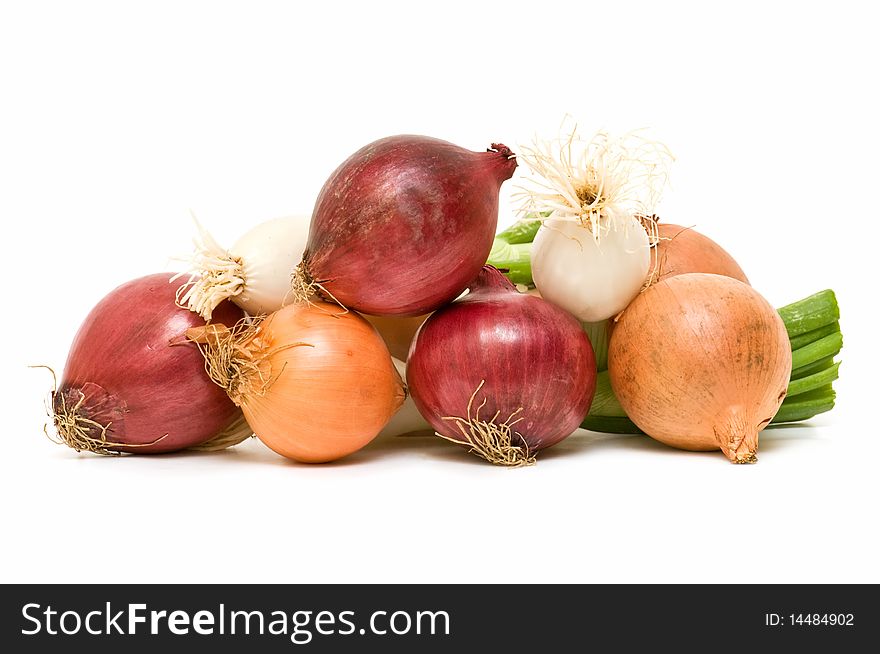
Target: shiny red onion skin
{"type": "Point", "coordinates": [405, 223]}
{"type": "Point", "coordinates": [140, 375]}
{"type": "Point", "coordinates": [531, 354]}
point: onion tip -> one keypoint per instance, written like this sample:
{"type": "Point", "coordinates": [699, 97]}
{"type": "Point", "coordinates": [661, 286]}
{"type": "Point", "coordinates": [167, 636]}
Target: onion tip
{"type": "Point", "coordinates": [738, 442]}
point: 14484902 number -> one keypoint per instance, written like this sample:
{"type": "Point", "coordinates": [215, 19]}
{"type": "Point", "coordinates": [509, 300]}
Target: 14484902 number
{"type": "Point", "coordinates": [822, 619]}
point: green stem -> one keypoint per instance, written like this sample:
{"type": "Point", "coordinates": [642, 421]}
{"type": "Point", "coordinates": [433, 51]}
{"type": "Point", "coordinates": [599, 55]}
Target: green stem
{"type": "Point", "coordinates": [810, 369]}
{"type": "Point", "coordinates": [805, 406]}
{"type": "Point", "coordinates": [522, 231]}
{"type": "Point", "coordinates": [604, 400]}
{"type": "Point", "coordinates": [824, 347]}
{"type": "Point", "coordinates": [800, 341]}
{"type": "Point", "coordinates": [811, 313]}
{"type": "Point", "coordinates": [597, 332]}
{"type": "Point", "coordinates": [514, 259]}
{"type": "Point", "coordinates": [811, 382]}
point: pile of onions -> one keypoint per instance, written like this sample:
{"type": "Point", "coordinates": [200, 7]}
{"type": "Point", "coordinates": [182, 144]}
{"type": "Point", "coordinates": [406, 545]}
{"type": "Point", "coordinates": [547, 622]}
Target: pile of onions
{"type": "Point", "coordinates": [504, 373]}
{"type": "Point", "coordinates": [132, 383]}
{"type": "Point", "coordinates": [315, 383]}
{"type": "Point", "coordinates": [254, 273]}
{"type": "Point", "coordinates": [403, 225]}
{"type": "Point", "coordinates": [685, 250]}
{"type": "Point", "coordinates": [701, 362]}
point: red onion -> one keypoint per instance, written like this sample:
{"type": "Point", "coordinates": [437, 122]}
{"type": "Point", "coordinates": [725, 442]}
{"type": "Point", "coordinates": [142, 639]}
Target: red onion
{"type": "Point", "coordinates": [132, 383]}
{"type": "Point", "coordinates": [403, 225]}
{"type": "Point", "coordinates": [504, 373]}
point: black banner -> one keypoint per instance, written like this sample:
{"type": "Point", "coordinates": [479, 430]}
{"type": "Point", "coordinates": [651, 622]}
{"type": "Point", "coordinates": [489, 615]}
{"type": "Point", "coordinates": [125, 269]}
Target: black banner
{"type": "Point", "coordinates": [312, 618]}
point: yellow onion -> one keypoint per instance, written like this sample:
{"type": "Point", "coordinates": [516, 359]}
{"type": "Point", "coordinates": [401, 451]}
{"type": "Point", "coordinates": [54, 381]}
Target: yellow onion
{"type": "Point", "coordinates": [315, 383]}
{"type": "Point", "coordinates": [685, 250]}
{"type": "Point", "coordinates": [701, 362]}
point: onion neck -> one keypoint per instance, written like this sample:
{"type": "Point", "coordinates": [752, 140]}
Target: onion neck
{"type": "Point", "coordinates": [490, 280]}
{"type": "Point", "coordinates": [503, 161]}
{"type": "Point", "coordinates": [737, 437]}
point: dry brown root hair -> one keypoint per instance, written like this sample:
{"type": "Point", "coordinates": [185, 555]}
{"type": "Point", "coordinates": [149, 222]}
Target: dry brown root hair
{"type": "Point", "coordinates": [490, 439]}
{"type": "Point", "coordinates": [234, 359]}
{"type": "Point", "coordinates": [303, 288]}
{"type": "Point", "coordinates": [592, 181]}
{"type": "Point", "coordinates": [75, 430]}
{"type": "Point", "coordinates": [214, 275]}
{"type": "Point", "coordinates": [650, 223]}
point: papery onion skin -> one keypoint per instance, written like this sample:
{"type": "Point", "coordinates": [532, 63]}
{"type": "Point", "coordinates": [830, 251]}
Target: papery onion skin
{"type": "Point", "coordinates": [404, 224]}
{"type": "Point", "coordinates": [530, 355]}
{"type": "Point", "coordinates": [131, 370]}
{"type": "Point", "coordinates": [333, 384]}
{"type": "Point", "coordinates": [684, 250]}
{"type": "Point", "coordinates": [701, 362]}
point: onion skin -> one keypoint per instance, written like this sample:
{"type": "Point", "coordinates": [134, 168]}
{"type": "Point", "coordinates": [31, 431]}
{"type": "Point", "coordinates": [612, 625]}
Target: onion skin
{"type": "Point", "coordinates": [404, 224]}
{"type": "Point", "coordinates": [701, 362]}
{"type": "Point", "coordinates": [529, 354]}
{"type": "Point", "coordinates": [333, 386]}
{"type": "Point", "coordinates": [684, 250]}
{"type": "Point", "coordinates": [131, 370]}
{"type": "Point", "coordinates": [592, 279]}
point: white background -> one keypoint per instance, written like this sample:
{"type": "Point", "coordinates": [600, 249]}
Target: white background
{"type": "Point", "coordinates": [116, 119]}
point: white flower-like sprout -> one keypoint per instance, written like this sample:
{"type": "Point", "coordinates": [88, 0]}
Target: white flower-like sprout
{"type": "Point", "coordinates": [593, 182]}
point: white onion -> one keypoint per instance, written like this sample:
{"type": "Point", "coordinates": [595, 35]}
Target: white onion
{"type": "Point", "coordinates": [594, 279]}
{"type": "Point", "coordinates": [254, 273]}
{"type": "Point", "coordinates": [592, 254]}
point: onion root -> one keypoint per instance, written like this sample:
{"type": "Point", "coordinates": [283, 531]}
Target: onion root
{"type": "Point", "coordinates": [230, 363]}
{"type": "Point", "coordinates": [490, 439]}
{"type": "Point", "coordinates": [217, 275]}
{"type": "Point", "coordinates": [76, 430]}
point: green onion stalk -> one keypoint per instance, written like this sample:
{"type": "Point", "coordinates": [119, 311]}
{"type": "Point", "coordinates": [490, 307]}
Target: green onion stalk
{"type": "Point", "coordinates": [812, 324]}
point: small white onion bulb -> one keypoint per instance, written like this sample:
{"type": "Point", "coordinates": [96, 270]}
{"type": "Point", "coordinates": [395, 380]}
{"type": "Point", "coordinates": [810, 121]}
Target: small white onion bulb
{"type": "Point", "coordinates": [254, 273]}
{"type": "Point", "coordinates": [593, 279]}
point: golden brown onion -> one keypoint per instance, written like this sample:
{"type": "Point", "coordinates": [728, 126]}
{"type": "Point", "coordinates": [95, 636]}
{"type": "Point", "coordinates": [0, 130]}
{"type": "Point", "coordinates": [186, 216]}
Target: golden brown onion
{"type": "Point", "coordinates": [684, 250]}
{"type": "Point", "coordinates": [701, 362]}
{"type": "Point", "coordinates": [315, 383]}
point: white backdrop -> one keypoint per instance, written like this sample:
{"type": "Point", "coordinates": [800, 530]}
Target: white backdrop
{"type": "Point", "coordinates": [118, 118]}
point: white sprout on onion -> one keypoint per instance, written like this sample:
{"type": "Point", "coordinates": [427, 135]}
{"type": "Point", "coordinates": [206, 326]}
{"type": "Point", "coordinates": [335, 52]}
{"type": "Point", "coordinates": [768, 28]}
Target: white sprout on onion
{"type": "Point", "coordinates": [215, 275]}
{"type": "Point", "coordinates": [596, 198]}
{"type": "Point", "coordinates": [598, 183]}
